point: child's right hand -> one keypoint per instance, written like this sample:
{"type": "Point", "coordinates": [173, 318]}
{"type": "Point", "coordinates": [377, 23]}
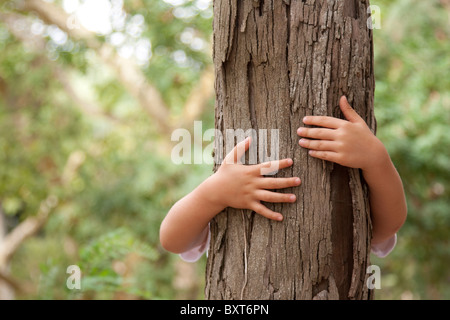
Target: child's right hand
{"type": "Point", "coordinates": [244, 186]}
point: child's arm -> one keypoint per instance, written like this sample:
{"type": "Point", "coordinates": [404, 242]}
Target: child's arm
{"type": "Point", "coordinates": [352, 144]}
{"type": "Point", "coordinates": [233, 185]}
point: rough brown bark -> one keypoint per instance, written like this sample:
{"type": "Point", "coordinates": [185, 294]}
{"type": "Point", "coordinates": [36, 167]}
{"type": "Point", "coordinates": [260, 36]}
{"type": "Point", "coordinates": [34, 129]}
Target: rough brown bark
{"type": "Point", "coordinates": [275, 62]}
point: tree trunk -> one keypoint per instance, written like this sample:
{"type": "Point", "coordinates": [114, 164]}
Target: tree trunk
{"type": "Point", "coordinates": [276, 62]}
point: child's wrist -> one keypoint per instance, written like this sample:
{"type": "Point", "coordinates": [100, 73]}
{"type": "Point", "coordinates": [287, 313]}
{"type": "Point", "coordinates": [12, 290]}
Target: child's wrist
{"type": "Point", "coordinates": [210, 191]}
{"type": "Point", "coordinates": [380, 162]}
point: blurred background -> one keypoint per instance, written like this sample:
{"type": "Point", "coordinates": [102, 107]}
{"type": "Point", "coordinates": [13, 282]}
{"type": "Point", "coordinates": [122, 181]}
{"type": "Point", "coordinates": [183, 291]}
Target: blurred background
{"type": "Point", "coordinates": [90, 92]}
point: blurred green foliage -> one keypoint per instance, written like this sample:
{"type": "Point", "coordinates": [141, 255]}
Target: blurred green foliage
{"type": "Point", "coordinates": [412, 105]}
{"type": "Point", "coordinates": [114, 182]}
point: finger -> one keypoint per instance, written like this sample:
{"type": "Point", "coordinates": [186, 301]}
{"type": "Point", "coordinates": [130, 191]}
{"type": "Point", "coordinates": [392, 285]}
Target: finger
{"type": "Point", "coordinates": [324, 121]}
{"type": "Point", "coordinates": [324, 155]}
{"type": "Point", "coordinates": [238, 151]}
{"type": "Point", "coordinates": [278, 183]}
{"type": "Point", "coordinates": [266, 212]}
{"type": "Point", "coordinates": [276, 197]}
{"type": "Point", "coordinates": [349, 113]}
{"type": "Point", "coordinates": [321, 145]}
{"type": "Point", "coordinates": [272, 167]}
{"type": "Point", "coordinates": [316, 133]}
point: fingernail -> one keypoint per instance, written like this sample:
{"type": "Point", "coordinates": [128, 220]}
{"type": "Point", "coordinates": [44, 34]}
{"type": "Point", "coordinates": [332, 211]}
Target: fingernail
{"type": "Point", "coordinates": [289, 161]}
{"type": "Point", "coordinates": [292, 198]}
{"type": "Point", "coordinates": [297, 180]}
{"type": "Point", "coordinates": [305, 119]}
{"type": "Point", "coordinates": [300, 130]}
{"type": "Point", "coordinates": [280, 218]}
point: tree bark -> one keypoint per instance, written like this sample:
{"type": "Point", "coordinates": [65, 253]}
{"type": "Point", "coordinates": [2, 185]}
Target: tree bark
{"type": "Point", "coordinates": [276, 62]}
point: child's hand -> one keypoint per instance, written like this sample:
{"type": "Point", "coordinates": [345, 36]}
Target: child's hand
{"type": "Point", "coordinates": [348, 143]}
{"type": "Point", "coordinates": [244, 186]}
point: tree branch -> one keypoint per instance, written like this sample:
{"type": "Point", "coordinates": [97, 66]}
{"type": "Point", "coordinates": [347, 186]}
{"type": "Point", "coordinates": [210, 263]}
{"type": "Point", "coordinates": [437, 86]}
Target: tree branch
{"type": "Point", "coordinates": [127, 72]}
{"type": "Point", "coordinates": [37, 45]}
{"type": "Point", "coordinates": [26, 229]}
{"type": "Point", "coordinates": [13, 283]}
{"type": "Point", "coordinates": [88, 107]}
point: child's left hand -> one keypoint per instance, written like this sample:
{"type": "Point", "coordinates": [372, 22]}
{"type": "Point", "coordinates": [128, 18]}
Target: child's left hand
{"type": "Point", "coordinates": [348, 143]}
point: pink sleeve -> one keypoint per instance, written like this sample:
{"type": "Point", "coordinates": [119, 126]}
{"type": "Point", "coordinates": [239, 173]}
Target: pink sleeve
{"type": "Point", "coordinates": [382, 249]}
{"type": "Point", "coordinates": [195, 253]}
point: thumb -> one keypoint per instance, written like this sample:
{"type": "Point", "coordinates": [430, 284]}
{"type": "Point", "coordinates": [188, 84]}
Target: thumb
{"type": "Point", "coordinates": [238, 151]}
{"type": "Point", "coordinates": [349, 113]}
